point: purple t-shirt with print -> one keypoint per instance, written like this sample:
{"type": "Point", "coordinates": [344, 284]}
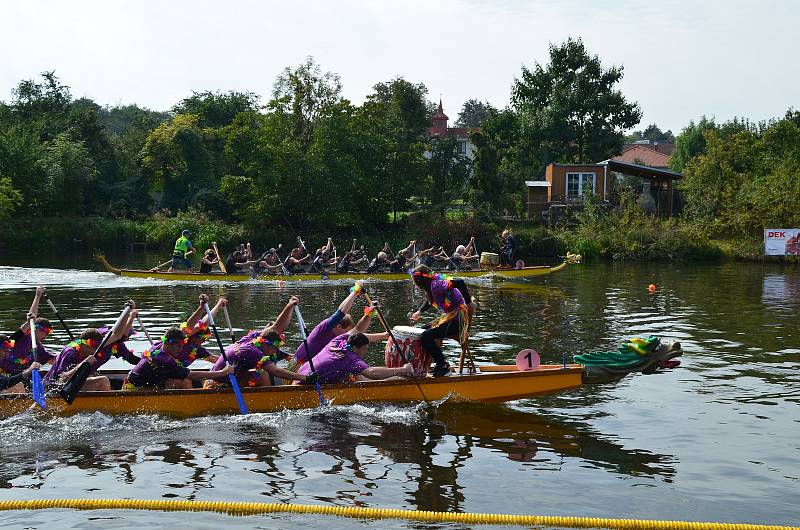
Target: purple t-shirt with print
{"type": "Point", "coordinates": [320, 336]}
{"type": "Point", "coordinates": [439, 293]}
{"type": "Point", "coordinates": [70, 357]}
{"type": "Point", "coordinates": [188, 354]}
{"type": "Point", "coordinates": [244, 355]}
{"type": "Point", "coordinates": [19, 357]}
{"type": "Point", "coordinates": [155, 370]}
{"type": "Point", "coordinates": [335, 364]}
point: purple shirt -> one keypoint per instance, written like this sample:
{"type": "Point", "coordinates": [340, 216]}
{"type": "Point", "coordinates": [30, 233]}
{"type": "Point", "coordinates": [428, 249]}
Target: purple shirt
{"type": "Point", "coordinates": [188, 354]}
{"type": "Point", "coordinates": [335, 364]}
{"type": "Point", "coordinates": [154, 370]}
{"type": "Point", "coordinates": [244, 355]}
{"type": "Point", "coordinates": [321, 335]}
{"type": "Point", "coordinates": [19, 357]}
{"type": "Point", "coordinates": [446, 297]}
{"type": "Point", "coordinates": [70, 357]}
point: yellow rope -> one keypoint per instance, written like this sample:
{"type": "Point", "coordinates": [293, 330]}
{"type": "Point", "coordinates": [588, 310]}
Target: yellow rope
{"type": "Point", "coordinates": [255, 508]}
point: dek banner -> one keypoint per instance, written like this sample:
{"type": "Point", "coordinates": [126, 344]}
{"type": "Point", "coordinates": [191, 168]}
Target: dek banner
{"type": "Point", "coordinates": [782, 242]}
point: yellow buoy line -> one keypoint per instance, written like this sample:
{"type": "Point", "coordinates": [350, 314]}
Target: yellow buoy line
{"type": "Point", "coordinates": [257, 508]}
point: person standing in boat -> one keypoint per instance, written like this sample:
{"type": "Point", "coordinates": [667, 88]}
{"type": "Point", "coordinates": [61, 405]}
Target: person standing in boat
{"type": "Point", "coordinates": [342, 359]}
{"type": "Point", "coordinates": [18, 356]}
{"type": "Point", "coordinates": [451, 297]}
{"type": "Point", "coordinates": [83, 350]}
{"type": "Point", "coordinates": [508, 247]}
{"type": "Point", "coordinates": [183, 247]}
{"type": "Point", "coordinates": [338, 323]}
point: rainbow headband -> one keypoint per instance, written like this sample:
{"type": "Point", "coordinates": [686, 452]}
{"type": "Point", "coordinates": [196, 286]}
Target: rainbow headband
{"type": "Point", "coordinates": [260, 341]}
{"type": "Point", "coordinates": [6, 344]}
{"type": "Point", "coordinates": [40, 327]}
{"type": "Point", "coordinates": [433, 276]}
{"type": "Point", "coordinates": [164, 340]}
{"type": "Point", "coordinates": [77, 345]}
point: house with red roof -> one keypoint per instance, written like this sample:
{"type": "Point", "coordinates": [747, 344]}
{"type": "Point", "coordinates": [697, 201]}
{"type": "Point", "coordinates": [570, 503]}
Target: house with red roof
{"type": "Point", "coordinates": [645, 153]}
{"type": "Point", "coordinates": [461, 134]}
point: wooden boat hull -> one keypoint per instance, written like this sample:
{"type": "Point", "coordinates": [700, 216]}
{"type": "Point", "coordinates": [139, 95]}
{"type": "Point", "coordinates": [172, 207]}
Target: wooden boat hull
{"type": "Point", "coordinates": [506, 273]}
{"type": "Point", "coordinates": [489, 385]}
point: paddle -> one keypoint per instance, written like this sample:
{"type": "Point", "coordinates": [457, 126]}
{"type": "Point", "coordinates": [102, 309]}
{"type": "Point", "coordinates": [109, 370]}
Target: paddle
{"type": "Point", "coordinates": [36, 377]}
{"type": "Point", "coordinates": [395, 345]}
{"type": "Point", "coordinates": [54, 310]}
{"type": "Point", "coordinates": [74, 383]}
{"type": "Point", "coordinates": [284, 270]}
{"type": "Point", "coordinates": [141, 325]}
{"type": "Point", "coordinates": [304, 334]}
{"type": "Point", "coordinates": [234, 382]}
{"type": "Point", "coordinates": [220, 261]}
{"type": "Point", "coordinates": [155, 269]}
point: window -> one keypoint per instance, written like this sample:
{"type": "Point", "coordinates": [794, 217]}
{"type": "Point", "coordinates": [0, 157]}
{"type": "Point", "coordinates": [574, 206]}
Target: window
{"type": "Point", "coordinates": [579, 183]}
{"type": "Point", "coordinates": [462, 147]}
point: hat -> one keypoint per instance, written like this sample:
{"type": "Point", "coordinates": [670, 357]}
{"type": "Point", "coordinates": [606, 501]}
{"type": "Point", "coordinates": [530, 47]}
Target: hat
{"type": "Point", "coordinates": [186, 233]}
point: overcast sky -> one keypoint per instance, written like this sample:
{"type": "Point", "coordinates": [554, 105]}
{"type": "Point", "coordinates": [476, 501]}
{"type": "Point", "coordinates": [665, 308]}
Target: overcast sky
{"type": "Point", "coordinates": [682, 59]}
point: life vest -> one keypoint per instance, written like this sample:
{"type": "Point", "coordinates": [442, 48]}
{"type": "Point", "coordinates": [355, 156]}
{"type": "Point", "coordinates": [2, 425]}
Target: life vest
{"type": "Point", "coordinates": [182, 245]}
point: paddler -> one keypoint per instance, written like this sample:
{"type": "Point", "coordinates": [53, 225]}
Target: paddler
{"type": "Point", "coordinates": [451, 297]}
{"type": "Point", "coordinates": [402, 259]}
{"type": "Point", "coordinates": [323, 258]}
{"type": "Point", "coordinates": [464, 257]}
{"type": "Point", "coordinates": [16, 383]}
{"type": "Point", "coordinates": [298, 256]}
{"type": "Point", "coordinates": [183, 247]}
{"type": "Point", "coordinates": [253, 369]}
{"type": "Point", "coordinates": [83, 349]}
{"type": "Point", "coordinates": [161, 358]}
{"type": "Point", "coordinates": [209, 260]}
{"type": "Point", "coordinates": [16, 356]}
{"type": "Point", "coordinates": [342, 359]}
{"type": "Point", "coordinates": [338, 323]}
{"type": "Point", "coordinates": [354, 257]}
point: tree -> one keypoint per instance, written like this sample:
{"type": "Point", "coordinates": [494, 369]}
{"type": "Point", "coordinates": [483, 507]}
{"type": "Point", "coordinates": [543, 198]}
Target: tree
{"type": "Point", "coordinates": [10, 198]}
{"type": "Point", "coordinates": [69, 172]}
{"type": "Point", "coordinates": [652, 133]}
{"type": "Point", "coordinates": [304, 93]}
{"type": "Point", "coordinates": [447, 172]}
{"type": "Point", "coordinates": [400, 113]}
{"type": "Point", "coordinates": [570, 110]}
{"type": "Point", "coordinates": [215, 109]}
{"type": "Point", "coordinates": [473, 113]}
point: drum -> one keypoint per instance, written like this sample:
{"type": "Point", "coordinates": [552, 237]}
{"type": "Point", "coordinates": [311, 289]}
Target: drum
{"type": "Point", "coordinates": [408, 341]}
{"type": "Point", "coordinates": [490, 259]}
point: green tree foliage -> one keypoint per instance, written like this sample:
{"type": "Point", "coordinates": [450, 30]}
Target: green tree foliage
{"type": "Point", "coordinates": [67, 165]}
{"type": "Point", "coordinates": [690, 143]}
{"type": "Point", "coordinates": [447, 172]}
{"type": "Point", "coordinates": [570, 109]}
{"type": "Point", "coordinates": [473, 113]}
{"type": "Point", "coordinates": [10, 198]}
{"type": "Point", "coordinates": [746, 178]}
{"type": "Point", "coordinates": [652, 133]}
{"type": "Point", "coordinates": [215, 109]}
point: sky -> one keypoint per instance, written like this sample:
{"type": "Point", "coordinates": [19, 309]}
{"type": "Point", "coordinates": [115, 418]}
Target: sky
{"type": "Point", "coordinates": [682, 59]}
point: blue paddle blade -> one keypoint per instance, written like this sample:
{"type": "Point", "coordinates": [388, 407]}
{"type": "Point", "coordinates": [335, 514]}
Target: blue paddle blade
{"type": "Point", "coordinates": [238, 392]}
{"type": "Point", "coordinates": [38, 389]}
{"type": "Point", "coordinates": [319, 394]}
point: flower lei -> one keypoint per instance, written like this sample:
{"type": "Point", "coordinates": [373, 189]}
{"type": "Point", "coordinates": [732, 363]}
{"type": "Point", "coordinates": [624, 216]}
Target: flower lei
{"type": "Point", "coordinates": [260, 341]}
{"type": "Point", "coordinates": [368, 311]}
{"type": "Point", "coordinates": [259, 369]}
{"type": "Point", "coordinates": [201, 329]}
{"type": "Point", "coordinates": [188, 359]}
{"type": "Point", "coordinates": [78, 344]}
{"type": "Point", "coordinates": [448, 302]}
{"type": "Point", "coordinates": [356, 288]}
{"type": "Point", "coordinates": [7, 344]}
{"type": "Point", "coordinates": [107, 352]}
{"type": "Point", "coordinates": [164, 340]}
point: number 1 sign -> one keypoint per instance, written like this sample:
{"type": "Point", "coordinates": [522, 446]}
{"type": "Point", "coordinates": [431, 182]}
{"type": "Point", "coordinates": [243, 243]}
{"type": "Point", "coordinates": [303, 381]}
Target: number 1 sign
{"type": "Point", "coordinates": [527, 360]}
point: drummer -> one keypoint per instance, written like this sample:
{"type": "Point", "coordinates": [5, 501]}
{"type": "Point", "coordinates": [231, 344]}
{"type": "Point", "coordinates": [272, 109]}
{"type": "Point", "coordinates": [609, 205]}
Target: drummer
{"type": "Point", "coordinates": [451, 297]}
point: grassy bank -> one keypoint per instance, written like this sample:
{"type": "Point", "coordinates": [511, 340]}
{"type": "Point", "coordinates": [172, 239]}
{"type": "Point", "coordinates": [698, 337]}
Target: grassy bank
{"type": "Point", "coordinates": [595, 236]}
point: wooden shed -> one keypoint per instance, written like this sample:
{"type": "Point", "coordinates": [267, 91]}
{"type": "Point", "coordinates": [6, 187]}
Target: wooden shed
{"type": "Point", "coordinates": [568, 182]}
{"type": "Point", "coordinates": [538, 193]}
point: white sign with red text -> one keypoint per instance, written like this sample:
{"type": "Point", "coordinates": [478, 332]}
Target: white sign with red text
{"type": "Point", "coordinates": [782, 242]}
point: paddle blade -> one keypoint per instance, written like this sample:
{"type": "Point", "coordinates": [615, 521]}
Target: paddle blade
{"type": "Point", "coordinates": [238, 392]}
{"type": "Point", "coordinates": [38, 389]}
{"type": "Point", "coordinates": [319, 394]}
{"type": "Point", "coordinates": [74, 383]}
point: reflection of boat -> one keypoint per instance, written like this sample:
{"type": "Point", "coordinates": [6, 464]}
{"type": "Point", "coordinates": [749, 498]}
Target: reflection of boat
{"type": "Point", "coordinates": [521, 435]}
{"type": "Point", "coordinates": [524, 272]}
{"type": "Point", "coordinates": [496, 384]}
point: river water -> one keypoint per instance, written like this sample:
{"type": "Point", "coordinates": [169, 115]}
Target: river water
{"type": "Point", "coordinates": [716, 439]}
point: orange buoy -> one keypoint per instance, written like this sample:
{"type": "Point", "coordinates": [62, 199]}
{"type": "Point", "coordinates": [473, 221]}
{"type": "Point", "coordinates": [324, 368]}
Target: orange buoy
{"type": "Point", "coordinates": [651, 288]}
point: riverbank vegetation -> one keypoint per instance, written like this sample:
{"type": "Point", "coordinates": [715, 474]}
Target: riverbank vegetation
{"type": "Point", "coordinates": [232, 168]}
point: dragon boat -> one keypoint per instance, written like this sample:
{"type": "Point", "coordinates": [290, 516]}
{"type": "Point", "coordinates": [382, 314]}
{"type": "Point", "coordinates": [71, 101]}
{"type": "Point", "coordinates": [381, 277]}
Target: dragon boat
{"type": "Point", "coordinates": [494, 383]}
{"type": "Point", "coordinates": [488, 272]}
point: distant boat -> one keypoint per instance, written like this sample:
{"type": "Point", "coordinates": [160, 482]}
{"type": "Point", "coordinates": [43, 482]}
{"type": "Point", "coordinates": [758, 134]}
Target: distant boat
{"type": "Point", "coordinates": [495, 272]}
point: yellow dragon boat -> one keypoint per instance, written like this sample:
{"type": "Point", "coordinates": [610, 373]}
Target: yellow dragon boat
{"type": "Point", "coordinates": [494, 383]}
{"type": "Point", "coordinates": [495, 272]}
